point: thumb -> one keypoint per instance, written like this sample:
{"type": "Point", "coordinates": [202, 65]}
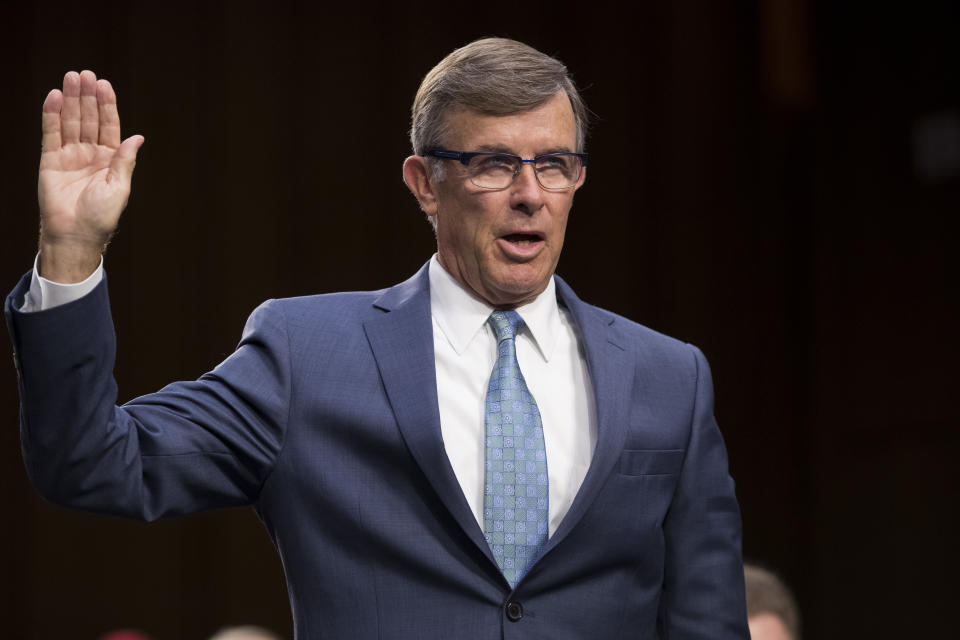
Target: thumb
{"type": "Point", "coordinates": [126, 157]}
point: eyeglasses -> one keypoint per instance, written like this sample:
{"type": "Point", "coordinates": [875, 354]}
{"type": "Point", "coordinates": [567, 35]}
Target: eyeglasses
{"type": "Point", "coordinates": [495, 170]}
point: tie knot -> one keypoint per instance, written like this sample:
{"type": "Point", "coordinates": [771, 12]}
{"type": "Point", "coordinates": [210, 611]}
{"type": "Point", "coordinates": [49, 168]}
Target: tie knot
{"type": "Point", "coordinates": [505, 324]}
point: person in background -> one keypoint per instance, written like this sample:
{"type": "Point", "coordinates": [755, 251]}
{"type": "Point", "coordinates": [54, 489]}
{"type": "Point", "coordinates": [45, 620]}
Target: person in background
{"type": "Point", "coordinates": [772, 611]}
{"type": "Point", "coordinates": [246, 632]}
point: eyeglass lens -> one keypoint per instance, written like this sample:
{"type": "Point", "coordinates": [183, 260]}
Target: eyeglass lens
{"type": "Point", "coordinates": [496, 171]}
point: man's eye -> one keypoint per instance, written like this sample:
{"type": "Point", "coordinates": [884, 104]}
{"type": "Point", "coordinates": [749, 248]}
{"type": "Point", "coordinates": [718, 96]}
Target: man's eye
{"type": "Point", "coordinates": [559, 164]}
{"type": "Point", "coordinates": [486, 164]}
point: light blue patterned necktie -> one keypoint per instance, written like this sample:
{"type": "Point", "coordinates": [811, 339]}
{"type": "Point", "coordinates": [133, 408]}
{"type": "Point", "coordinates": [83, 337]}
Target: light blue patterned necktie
{"type": "Point", "coordinates": [515, 496]}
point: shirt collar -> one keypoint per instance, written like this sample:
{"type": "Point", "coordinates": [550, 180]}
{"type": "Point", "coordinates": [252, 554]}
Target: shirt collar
{"type": "Point", "coordinates": [461, 317]}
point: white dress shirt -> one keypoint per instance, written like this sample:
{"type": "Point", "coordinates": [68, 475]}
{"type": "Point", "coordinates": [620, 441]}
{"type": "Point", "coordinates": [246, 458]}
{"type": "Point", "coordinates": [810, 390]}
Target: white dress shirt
{"type": "Point", "coordinates": [47, 294]}
{"type": "Point", "coordinates": [551, 359]}
{"type": "Point", "coordinates": [553, 364]}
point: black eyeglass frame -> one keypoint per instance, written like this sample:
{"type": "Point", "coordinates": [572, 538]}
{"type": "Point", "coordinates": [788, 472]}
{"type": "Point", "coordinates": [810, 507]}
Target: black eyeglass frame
{"type": "Point", "coordinates": [464, 157]}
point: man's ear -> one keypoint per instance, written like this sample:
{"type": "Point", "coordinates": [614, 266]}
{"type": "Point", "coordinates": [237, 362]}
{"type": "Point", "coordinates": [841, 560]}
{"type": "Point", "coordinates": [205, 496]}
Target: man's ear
{"type": "Point", "coordinates": [416, 175]}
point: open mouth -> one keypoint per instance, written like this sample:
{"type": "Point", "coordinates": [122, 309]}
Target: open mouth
{"type": "Point", "coordinates": [522, 239]}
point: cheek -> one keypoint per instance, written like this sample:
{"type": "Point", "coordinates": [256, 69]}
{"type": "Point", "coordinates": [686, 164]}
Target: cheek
{"type": "Point", "coordinates": [558, 226]}
{"type": "Point", "coordinates": [464, 233]}
{"type": "Point", "coordinates": [479, 223]}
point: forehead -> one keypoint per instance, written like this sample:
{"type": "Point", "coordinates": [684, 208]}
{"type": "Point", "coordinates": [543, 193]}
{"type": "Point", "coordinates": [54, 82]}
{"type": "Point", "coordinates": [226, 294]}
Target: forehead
{"type": "Point", "coordinates": [549, 127]}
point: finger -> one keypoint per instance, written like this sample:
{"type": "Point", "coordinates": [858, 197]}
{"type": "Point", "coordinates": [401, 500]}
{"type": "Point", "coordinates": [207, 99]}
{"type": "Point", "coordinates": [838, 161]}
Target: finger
{"type": "Point", "coordinates": [121, 166]}
{"type": "Point", "coordinates": [70, 112]}
{"type": "Point", "coordinates": [89, 116]}
{"type": "Point", "coordinates": [109, 117]}
{"type": "Point", "coordinates": [50, 121]}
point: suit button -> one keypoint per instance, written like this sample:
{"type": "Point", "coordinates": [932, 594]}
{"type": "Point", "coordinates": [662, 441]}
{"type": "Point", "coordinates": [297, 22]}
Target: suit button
{"type": "Point", "coordinates": [514, 611]}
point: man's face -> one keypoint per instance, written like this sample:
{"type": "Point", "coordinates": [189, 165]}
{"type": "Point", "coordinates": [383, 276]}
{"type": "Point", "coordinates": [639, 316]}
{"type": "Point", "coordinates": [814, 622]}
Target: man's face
{"type": "Point", "coordinates": [503, 246]}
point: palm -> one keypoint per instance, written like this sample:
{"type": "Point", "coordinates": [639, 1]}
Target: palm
{"type": "Point", "coordinates": [85, 169]}
{"type": "Point", "coordinates": [76, 193]}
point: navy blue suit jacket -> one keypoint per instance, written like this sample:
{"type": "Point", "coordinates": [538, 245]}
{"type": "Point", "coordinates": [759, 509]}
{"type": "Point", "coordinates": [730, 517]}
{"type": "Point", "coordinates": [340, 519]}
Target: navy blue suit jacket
{"type": "Point", "coordinates": [325, 419]}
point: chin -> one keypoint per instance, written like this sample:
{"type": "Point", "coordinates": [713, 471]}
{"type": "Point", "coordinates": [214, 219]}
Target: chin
{"type": "Point", "coordinates": [523, 275]}
{"type": "Point", "coordinates": [518, 292]}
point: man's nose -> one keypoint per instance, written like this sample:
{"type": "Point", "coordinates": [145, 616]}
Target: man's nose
{"type": "Point", "coordinates": [525, 192]}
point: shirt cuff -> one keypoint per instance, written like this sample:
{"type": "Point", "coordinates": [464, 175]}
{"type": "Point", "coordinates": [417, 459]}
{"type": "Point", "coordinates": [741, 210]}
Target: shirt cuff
{"type": "Point", "coordinates": [46, 294]}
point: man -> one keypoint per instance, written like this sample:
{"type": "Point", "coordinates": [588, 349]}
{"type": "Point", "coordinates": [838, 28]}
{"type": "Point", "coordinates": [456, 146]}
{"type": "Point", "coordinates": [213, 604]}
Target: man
{"type": "Point", "coordinates": [473, 453]}
{"type": "Point", "coordinates": [772, 612]}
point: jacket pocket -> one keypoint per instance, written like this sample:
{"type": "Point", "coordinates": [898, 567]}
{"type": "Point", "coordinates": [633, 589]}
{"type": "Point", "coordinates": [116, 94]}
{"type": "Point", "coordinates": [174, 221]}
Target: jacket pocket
{"type": "Point", "coordinates": [651, 462]}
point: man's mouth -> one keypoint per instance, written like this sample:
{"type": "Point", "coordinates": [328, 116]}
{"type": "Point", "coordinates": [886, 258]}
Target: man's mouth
{"type": "Point", "coordinates": [522, 239]}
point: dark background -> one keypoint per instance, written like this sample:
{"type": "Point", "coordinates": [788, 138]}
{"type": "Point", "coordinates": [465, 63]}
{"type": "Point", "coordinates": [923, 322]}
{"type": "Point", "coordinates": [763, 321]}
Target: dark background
{"type": "Point", "coordinates": [775, 182]}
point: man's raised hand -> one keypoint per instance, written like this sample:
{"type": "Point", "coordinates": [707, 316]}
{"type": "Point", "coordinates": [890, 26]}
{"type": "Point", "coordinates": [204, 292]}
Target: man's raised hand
{"type": "Point", "coordinates": [85, 173]}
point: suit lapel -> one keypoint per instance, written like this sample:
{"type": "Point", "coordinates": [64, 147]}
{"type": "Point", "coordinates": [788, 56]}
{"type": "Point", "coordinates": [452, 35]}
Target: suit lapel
{"type": "Point", "coordinates": [611, 374]}
{"type": "Point", "coordinates": [404, 355]}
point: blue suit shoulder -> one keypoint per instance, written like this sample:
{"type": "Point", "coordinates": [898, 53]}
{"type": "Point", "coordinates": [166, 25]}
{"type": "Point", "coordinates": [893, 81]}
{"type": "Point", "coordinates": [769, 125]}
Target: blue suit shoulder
{"type": "Point", "coordinates": [319, 312]}
{"type": "Point", "coordinates": [652, 349]}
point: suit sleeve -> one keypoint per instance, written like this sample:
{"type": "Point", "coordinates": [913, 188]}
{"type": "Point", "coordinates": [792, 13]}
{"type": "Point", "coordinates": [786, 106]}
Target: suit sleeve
{"type": "Point", "coordinates": [191, 446]}
{"type": "Point", "coordinates": [703, 592]}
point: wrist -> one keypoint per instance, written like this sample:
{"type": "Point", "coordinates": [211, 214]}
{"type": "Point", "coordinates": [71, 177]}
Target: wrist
{"type": "Point", "coordinates": [68, 261]}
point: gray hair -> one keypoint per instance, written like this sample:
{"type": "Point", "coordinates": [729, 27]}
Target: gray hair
{"type": "Point", "coordinates": [766, 593]}
{"type": "Point", "coordinates": [492, 76]}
